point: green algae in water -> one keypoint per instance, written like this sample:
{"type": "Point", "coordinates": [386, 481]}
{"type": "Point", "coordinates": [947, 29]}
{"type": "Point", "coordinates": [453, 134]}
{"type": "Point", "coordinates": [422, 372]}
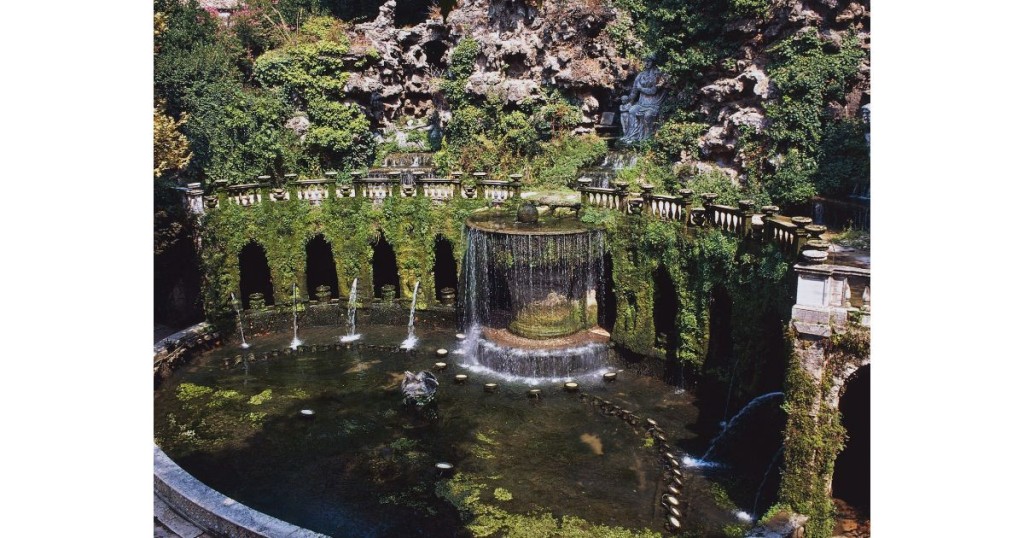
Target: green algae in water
{"type": "Point", "coordinates": [364, 466]}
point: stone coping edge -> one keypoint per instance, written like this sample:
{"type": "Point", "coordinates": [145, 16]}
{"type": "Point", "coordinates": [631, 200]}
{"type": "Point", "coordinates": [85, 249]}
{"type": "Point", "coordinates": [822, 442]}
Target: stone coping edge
{"type": "Point", "coordinates": [197, 329]}
{"type": "Point", "coordinates": [213, 510]}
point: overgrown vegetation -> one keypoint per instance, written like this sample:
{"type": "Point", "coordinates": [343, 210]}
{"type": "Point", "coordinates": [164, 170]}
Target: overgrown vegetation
{"type": "Point", "coordinates": [239, 84]}
{"type": "Point", "coordinates": [468, 492]}
{"type": "Point", "coordinates": [350, 226]}
{"type": "Point", "coordinates": [814, 431]}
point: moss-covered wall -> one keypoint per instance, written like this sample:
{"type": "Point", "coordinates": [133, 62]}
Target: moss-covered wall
{"type": "Point", "coordinates": [814, 435]}
{"type": "Point", "coordinates": [755, 276]}
{"type": "Point", "coordinates": [350, 225]}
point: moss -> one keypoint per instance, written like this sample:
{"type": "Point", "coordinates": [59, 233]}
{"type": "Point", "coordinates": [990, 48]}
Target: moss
{"type": "Point", "coordinates": [814, 433]}
{"type": "Point", "coordinates": [349, 225]}
{"type": "Point", "coordinates": [502, 494]}
{"type": "Point", "coordinates": [191, 391]}
{"type": "Point", "coordinates": [464, 492]}
{"type": "Point", "coordinates": [262, 397]}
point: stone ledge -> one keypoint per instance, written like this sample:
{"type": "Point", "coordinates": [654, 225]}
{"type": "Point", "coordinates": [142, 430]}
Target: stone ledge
{"type": "Point", "coordinates": [212, 510]}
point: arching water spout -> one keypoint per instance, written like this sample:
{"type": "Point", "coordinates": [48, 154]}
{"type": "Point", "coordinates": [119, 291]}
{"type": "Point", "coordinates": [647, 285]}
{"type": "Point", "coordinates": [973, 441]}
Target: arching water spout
{"type": "Point", "coordinates": [351, 336]}
{"type": "Point", "coordinates": [765, 479]}
{"type": "Point", "coordinates": [295, 321]}
{"type": "Point", "coordinates": [410, 340]}
{"type": "Point", "coordinates": [239, 314]}
{"type": "Point", "coordinates": [706, 459]}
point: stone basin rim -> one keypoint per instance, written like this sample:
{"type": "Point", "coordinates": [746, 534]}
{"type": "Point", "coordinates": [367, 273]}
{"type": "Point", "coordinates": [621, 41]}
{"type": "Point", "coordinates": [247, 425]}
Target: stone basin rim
{"type": "Point", "coordinates": [529, 229]}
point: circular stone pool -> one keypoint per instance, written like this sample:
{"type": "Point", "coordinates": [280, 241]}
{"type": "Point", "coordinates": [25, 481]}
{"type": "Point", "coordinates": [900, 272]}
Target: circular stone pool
{"type": "Point", "coordinates": [584, 463]}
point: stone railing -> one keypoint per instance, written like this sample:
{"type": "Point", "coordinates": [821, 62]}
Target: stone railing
{"type": "Point", "coordinates": [376, 186]}
{"type": "Point", "coordinates": [791, 234]}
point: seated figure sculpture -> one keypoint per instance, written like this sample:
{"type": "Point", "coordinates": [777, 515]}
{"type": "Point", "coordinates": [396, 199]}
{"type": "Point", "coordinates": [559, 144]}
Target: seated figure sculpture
{"type": "Point", "coordinates": [640, 107]}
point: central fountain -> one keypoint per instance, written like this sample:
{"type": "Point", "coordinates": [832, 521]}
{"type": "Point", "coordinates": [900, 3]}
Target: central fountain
{"type": "Point", "coordinates": [529, 294]}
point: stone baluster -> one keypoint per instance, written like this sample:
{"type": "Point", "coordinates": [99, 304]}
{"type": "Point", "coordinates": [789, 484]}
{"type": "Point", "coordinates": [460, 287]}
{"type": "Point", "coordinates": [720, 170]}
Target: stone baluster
{"type": "Point", "coordinates": [264, 186]}
{"type": "Point", "coordinates": [708, 198]}
{"type": "Point", "coordinates": [685, 201]}
{"type": "Point", "coordinates": [814, 231]}
{"type": "Point", "coordinates": [646, 193]}
{"type": "Point", "coordinates": [417, 180]}
{"type": "Point", "coordinates": [582, 184]}
{"type": "Point", "coordinates": [479, 178]}
{"type": "Point", "coordinates": [357, 184]}
{"type": "Point", "coordinates": [745, 228]}
{"type": "Point", "coordinates": [194, 198]}
{"type": "Point", "coordinates": [394, 179]}
{"type": "Point", "coordinates": [801, 233]}
{"type": "Point", "coordinates": [517, 185]}
{"type": "Point", "coordinates": [768, 228]}
{"type": "Point", "coordinates": [621, 193]}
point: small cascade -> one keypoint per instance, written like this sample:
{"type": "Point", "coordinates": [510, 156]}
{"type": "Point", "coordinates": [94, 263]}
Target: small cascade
{"type": "Point", "coordinates": [757, 497]}
{"type": "Point", "coordinates": [410, 341]}
{"type": "Point", "coordinates": [706, 459]}
{"type": "Point", "coordinates": [239, 314]}
{"type": "Point", "coordinates": [604, 174]}
{"type": "Point", "coordinates": [351, 336]}
{"type": "Point", "coordinates": [295, 320]}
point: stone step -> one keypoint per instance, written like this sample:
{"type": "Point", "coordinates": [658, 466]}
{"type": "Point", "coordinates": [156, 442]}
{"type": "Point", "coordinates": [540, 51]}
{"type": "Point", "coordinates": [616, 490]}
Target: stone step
{"type": "Point", "coordinates": [171, 523]}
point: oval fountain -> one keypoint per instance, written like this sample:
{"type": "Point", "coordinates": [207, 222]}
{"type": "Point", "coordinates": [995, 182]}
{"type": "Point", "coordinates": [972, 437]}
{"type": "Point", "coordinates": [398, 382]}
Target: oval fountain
{"type": "Point", "coordinates": [529, 295]}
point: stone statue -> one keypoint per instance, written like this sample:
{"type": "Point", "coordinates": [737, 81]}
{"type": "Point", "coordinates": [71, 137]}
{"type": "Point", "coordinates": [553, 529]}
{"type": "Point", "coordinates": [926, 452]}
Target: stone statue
{"type": "Point", "coordinates": [640, 107]}
{"type": "Point", "coordinates": [419, 389]}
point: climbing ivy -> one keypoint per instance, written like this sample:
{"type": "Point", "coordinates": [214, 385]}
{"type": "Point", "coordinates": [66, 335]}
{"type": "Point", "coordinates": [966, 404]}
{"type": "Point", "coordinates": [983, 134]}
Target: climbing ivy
{"type": "Point", "coordinates": [350, 226]}
{"type": "Point", "coordinates": [814, 433]}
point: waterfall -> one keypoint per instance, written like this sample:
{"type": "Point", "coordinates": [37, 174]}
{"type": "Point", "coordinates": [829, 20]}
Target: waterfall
{"type": "Point", "coordinates": [295, 321]}
{"type": "Point", "coordinates": [239, 314]}
{"type": "Point", "coordinates": [410, 341]}
{"type": "Point", "coordinates": [528, 297]}
{"type": "Point", "coordinates": [351, 336]}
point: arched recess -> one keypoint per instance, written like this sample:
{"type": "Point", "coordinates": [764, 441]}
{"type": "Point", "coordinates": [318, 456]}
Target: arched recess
{"type": "Point", "coordinates": [720, 329]}
{"type": "Point", "coordinates": [666, 309]}
{"type": "Point", "coordinates": [445, 271]}
{"type": "Point", "coordinates": [254, 273]}
{"type": "Point", "coordinates": [320, 267]}
{"type": "Point", "coordinates": [606, 307]}
{"type": "Point", "coordinates": [385, 267]}
{"type": "Point", "coordinates": [851, 480]}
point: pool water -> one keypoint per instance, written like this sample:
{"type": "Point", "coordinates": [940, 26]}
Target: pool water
{"type": "Point", "coordinates": [365, 464]}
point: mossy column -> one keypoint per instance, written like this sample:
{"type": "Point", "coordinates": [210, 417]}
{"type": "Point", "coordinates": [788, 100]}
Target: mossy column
{"type": "Point", "coordinates": [824, 356]}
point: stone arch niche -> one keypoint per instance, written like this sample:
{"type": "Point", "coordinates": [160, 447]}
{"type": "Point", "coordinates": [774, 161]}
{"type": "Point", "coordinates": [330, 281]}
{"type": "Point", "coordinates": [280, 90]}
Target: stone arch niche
{"type": "Point", "coordinates": [254, 274]}
{"type": "Point", "coordinates": [606, 306]}
{"type": "Point", "coordinates": [720, 328]}
{"type": "Point", "coordinates": [851, 481]}
{"type": "Point", "coordinates": [320, 267]}
{"type": "Point", "coordinates": [445, 271]}
{"type": "Point", "coordinates": [385, 267]}
{"type": "Point", "coordinates": [666, 308]}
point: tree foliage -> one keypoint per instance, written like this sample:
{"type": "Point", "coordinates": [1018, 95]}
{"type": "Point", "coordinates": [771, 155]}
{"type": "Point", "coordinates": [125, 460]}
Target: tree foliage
{"type": "Point", "coordinates": [170, 147]}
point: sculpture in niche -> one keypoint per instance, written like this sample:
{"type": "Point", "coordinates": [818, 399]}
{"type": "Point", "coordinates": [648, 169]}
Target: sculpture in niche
{"type": "Point", "coordinates": [640, 107]}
